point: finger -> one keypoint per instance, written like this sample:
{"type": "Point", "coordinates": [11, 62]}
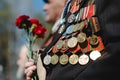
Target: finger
{"type": "Point", "coordinates": [28, 64]}
{"type": "Point", "coordinates": [29, 74]}
{"type": "Point", "coordinates": [28, 78]}
{"type": "Point", "coordinates": [31, 68]}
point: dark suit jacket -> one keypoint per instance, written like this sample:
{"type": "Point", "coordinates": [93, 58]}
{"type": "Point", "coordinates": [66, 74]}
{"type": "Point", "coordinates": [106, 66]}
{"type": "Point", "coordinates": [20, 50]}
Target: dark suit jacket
{"type": "Point", "coordinates": [107, 67]}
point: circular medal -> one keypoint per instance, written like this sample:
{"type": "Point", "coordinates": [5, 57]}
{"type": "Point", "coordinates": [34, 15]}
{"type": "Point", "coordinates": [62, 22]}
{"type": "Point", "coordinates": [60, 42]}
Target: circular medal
{"type": "Point", "coordinates": [54, 59]}
{"type": "Point", "coordinates": [81, 37]}
{"type": "Point", "coordinates": [47, 60]}
{"type": "Point", "coordinates": [83, 59]}
{"type": "Point", "coordinates": [93, 40]}
{"type": "Point", "coordinates": [73, 59]}
{"type": "Point", "coordinates": [63, 59]}
{"type": "Point", "coordinates": [95, 55]}
{"type": "Point", "coordinates": [71, 18]}
{"type": "Point", "coordinates": [59, 44]}
{"type": "Point", "coordinates": [72, 42]}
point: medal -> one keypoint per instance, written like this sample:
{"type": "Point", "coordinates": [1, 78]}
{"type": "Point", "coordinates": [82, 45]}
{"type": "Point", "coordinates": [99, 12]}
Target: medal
{"type": "Point", "coordinates": [81, 37]}
{"type": "Point", "coordinates": [61, 29]}
{"type": "Point", "coordinates": [54, 59]}
{"type": "Point", "coordinates": [93, 40]}
{"type": "Point", "coordinates": [73, 59]}
{"type": "Point", "coordinates": [64, 47]}
{"type": "Point", "coordinates": [78, 27]}
{"type": "Point", "coordinates": [63, 59]}
{"type": "Point", "coordinates": [100, 46]}
{"type": "Point", "coordinates": [95, 55]}
{"type": "Point", "coordinates": [59, 44]}
{"type": "Point", "coordinates": [83, 59]}
{"type": "Point", "coordinates": [71, 18]}
{"type": "Point", "coordinates": [47, 59]}
{"type": "Point", "coordinates": [72, 42]}
{"type": "Point", "coordinates": [69, 30]}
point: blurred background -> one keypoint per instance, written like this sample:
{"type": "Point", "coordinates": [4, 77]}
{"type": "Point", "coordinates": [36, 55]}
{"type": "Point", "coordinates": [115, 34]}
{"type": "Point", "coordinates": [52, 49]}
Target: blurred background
{"type": "Point", "coordinates": [11, 38]}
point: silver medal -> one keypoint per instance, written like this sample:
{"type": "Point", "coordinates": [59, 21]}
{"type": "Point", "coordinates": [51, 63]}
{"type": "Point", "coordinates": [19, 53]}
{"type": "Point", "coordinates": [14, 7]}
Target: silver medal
{"type": "Point", "coordinates": [95, 55]}
{"type": "Point", "coordinates": [71, 18]}
{"type": "Point", "coordinates": [47, 60]}
{"type": "Point", "coordinates": [83, 59]}
{"type": "Point", "coordinates": [72, 42]}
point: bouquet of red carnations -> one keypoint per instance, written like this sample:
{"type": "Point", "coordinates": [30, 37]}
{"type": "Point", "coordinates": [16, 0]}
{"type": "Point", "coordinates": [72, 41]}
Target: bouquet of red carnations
{"type": "Point", "coordinates": [34, 30]}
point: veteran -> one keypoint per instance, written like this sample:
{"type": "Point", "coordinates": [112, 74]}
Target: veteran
{"type": "Point", "coordinates": [86, 45]}
{"type": "Point", "coordinates": [53, 10]}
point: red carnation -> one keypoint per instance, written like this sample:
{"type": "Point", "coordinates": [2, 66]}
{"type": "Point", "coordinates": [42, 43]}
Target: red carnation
{"type": "Point", "coordinates": [34, 21]}
{"type": "Point", "coordinates": [20, 19]}
{"type": "Point", "coordinates": [39, 30]}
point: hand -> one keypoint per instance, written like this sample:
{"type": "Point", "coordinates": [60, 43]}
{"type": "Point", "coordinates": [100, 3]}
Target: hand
{"type": "Point", "coordinates": [29, 69]}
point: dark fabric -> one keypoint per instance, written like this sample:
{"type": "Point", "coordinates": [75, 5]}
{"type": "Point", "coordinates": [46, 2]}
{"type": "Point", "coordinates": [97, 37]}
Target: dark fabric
{"type": "Point", "coordinates": [106, 67]}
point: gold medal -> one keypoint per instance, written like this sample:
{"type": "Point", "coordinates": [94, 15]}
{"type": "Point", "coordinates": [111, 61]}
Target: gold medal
{"type": "Point", "coordinates": [81, 37]}
{"type": "Point", "coordinates": [63, 59]}
{"type": "Point", "coordinates": [54, 59]}
{"type": "Point", "coordinates": [47, 59]}
{"type": "Point", "coordinates": [93, 40]}
{"type": "Point", "coordinates": [72, 42]}
{"type": "Point", "coordinates": [59, 44]}
{"type": "Point", "coordinates": [95, 55]}
{"type": "Point", "coordinates": [83, 59]}
{"type": "Point", "coordinates": [100, 46]}
{"type": "Point", "coordinates": [73, 59]}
